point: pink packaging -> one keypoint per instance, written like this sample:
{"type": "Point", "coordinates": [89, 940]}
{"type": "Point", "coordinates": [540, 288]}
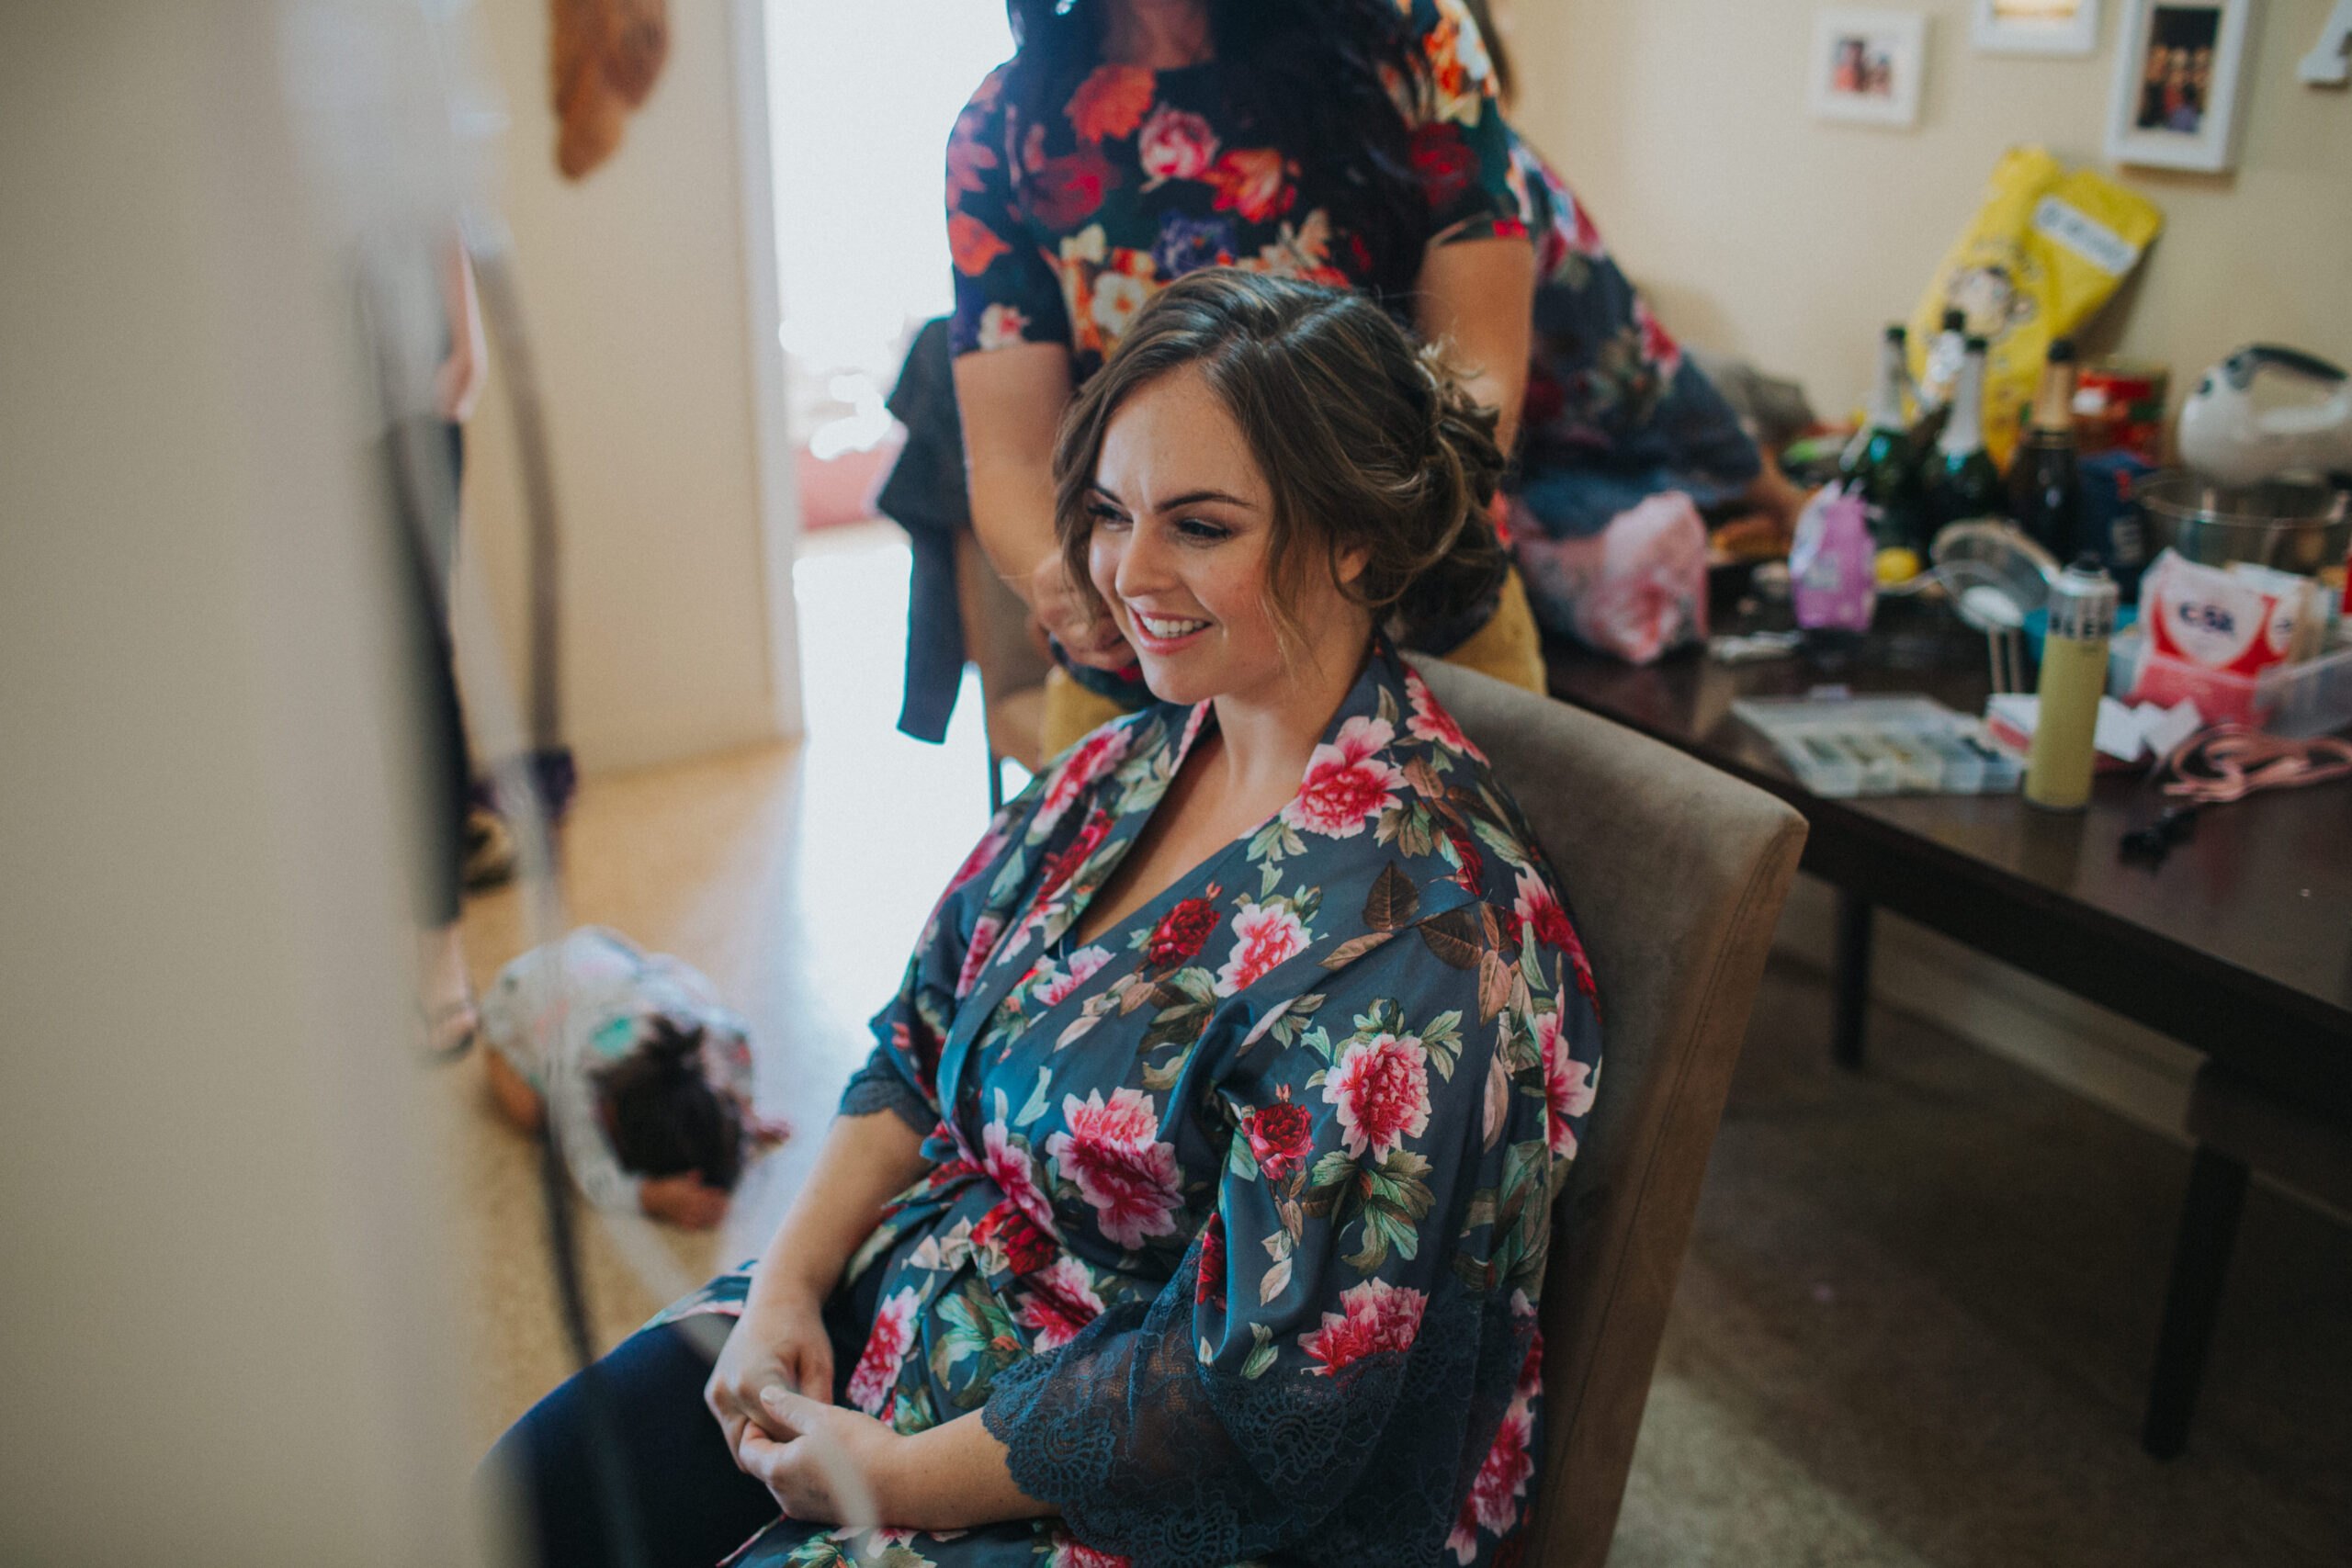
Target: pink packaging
{"type": "Point", "coordinates": [2215, 619]}
{"type": "Point", "coordinates": [1832, 575]}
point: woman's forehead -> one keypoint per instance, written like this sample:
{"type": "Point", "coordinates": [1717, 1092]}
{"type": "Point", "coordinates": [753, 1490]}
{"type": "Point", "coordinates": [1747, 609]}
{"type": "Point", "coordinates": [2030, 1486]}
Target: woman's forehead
{"type": "Point", "coordinates": [1171, 437]}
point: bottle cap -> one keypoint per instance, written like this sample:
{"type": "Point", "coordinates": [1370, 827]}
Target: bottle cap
{"type": "Point", "coordinates": [2062, 351]}
{"type": "Point", "coordinates": [1897, 333]}
{"type": "Point", "coordinates": [2082, 602]}
{"type": "Point", "coordinates": [1974, 345]}
{"type": "Point", "coordinates": [1955, 321]}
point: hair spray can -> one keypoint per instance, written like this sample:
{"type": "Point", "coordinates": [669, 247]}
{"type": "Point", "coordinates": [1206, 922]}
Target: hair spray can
{"type": "Point", "coordinates": [2073, 678]}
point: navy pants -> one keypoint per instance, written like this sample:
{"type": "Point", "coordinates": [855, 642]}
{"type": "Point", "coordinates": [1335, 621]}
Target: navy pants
{"type": "Point", "coordinates": [692, 1505]}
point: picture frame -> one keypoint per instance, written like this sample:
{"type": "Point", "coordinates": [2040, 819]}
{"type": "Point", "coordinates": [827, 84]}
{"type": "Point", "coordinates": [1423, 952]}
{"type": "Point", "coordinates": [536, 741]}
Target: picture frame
{"type": "Point", "coordinates": [2180, 88]}
{"type": "Point", "coordinates": [2035, 27]}
{"type": "Point", "coordinates": [1867, 66]}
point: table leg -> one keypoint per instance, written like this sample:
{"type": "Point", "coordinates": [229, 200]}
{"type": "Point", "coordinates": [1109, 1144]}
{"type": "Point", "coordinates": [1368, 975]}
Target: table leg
{"type": "Point", "coordinates": [1852, 980]}
{"type": "Point", "coordinates": [2208, 1227]}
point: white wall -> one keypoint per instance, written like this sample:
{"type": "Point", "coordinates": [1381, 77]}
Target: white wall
{"type": "Point", "coordinates": [1760, 231]}
{"type": "Point", "coordinates": [678, 630]}
{"type": "Point", "coordinates": [229, 1338]}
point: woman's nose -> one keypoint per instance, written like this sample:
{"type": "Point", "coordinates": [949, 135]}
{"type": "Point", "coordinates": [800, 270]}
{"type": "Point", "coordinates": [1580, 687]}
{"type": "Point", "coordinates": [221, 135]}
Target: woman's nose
{"type": "Point", "coordinates": [1144, 564]}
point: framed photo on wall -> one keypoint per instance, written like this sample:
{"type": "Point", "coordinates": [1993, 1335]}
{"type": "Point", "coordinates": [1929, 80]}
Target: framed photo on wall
{"type": "Point", "coordinates": [2180, 77]}
{"type": "Point", "coordinates": [1867, 66]}
{"type": "Point", "coordinates": [2035, 27]}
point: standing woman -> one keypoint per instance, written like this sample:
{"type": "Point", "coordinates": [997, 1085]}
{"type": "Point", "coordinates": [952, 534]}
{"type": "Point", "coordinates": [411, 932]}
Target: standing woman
{"type": "Point", "coordinates": [1356, 143]}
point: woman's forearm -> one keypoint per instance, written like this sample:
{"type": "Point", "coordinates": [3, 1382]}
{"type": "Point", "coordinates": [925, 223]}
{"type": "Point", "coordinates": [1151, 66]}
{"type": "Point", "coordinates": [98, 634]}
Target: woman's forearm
{"type": "Point", "coordinates": [952, 1477]}
{"type": "Point", "coordinates": [1011, 401]}
{"type": "Point", "coordinates": [867, 1161]}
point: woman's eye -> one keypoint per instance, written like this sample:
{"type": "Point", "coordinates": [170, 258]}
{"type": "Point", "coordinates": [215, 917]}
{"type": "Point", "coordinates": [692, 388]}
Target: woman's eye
{"type": "Point", "coordinates": [1107, 517]}
{"type": "Point", "coordinates": [1202, 531]}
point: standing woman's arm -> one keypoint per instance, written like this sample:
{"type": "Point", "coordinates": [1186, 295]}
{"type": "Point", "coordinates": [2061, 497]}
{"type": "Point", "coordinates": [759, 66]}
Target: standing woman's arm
{"type": "Point", "coordinates": [1011, 400]}
{"type": "Point", "coordinates": [1478, 296]}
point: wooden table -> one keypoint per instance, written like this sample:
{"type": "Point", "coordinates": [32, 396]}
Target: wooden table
{"type": "Point", "coordinates": [2238, 945]}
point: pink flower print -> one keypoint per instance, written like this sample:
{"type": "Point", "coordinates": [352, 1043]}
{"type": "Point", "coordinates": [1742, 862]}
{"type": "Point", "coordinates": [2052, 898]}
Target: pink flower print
{"type": "Point", "coordinates": [985, 931]}
{"type": "Point", "coordinates": [1375, 1318]}
{"type": "Point", "coordinates": [885, 1347]}
{"type": "Point", "coordinates": [1431, 722]}
{"type": "Point", "coordinates": [1096, 756]}
{"type": "Point", "coordinates": [1464, 1539]}
{"type": "Point", "coordinates": [1208, 1289]}
{"type": "Point", "coordinates": [1502, 1479]}
{"type": "Point", "coordinates": [1531, 1372]}
{"type": "Point", "coordinates": [1176, 145]}
{"type": "Point", "coordinates": [1348, 782]}
{"type": "Point", "coordinates": [1061, 1301]}
{"type": "Point", "coordinates": [1071, 1552]}
{"type": "Point", "coordinates": [1113, 1153]}
{"type": "Point", "coordinates": [1119, 295]}
{"type": "Point", "coordinates": [1065, 866]}
{"type": "Point", "coordinates": [1002, 326]}
{"type": "Point", "coordinates": [1055, 988]}
{"type": "Point", "coordinates": [1382, 1088]}
{"type": "Point", "coordinates": [1568, 1085]}
{"type": "Point", "coordinates": [1015, 1176]}
{"type": "Point", "coordinates": [1540, 915]}
{"type": "Point", "coordinates": [983, 853]}
{"type": "Point", "coordinates": [1264, 936]}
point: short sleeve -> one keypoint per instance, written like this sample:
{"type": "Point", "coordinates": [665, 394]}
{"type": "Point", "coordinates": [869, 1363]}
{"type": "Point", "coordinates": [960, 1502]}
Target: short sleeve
{"type": "Point", "coordinates": [1006, 290]}
{"type": "Point", "coordinates": [1461, 146]}
{"type": "Point", "coordinates": [1350, 1336]}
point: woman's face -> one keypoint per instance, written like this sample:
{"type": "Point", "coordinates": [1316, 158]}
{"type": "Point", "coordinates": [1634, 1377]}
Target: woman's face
{"type": "Point", "coordinates": [1178, 552]}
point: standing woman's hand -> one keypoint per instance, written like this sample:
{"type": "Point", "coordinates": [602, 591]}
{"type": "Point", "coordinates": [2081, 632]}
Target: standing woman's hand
{"type": "Point", "coordinates": [780, 1342]}
{"type": "Point", "coordinates": [1076, 619]}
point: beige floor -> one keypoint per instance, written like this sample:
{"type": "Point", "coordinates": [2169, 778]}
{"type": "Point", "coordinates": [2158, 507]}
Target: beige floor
{"type": "Point", "coordinates": [797, 877]}
{"type": "Point", "coordinates": [1919, 1303]}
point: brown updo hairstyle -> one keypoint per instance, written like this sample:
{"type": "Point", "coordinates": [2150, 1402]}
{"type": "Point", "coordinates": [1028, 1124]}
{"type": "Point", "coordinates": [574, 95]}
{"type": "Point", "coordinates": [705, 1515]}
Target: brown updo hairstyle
{"type": "Point", "coordinates": [1366, 442]}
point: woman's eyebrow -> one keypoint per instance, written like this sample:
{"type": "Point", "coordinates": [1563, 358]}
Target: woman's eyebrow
{"type": "Point", "coordinates": [1194, 497]}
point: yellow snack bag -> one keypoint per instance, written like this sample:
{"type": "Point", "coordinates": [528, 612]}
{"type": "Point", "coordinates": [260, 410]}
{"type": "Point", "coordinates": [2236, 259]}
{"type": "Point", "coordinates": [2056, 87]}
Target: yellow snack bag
{"type": "Point", "coordinates": [2045, 251]}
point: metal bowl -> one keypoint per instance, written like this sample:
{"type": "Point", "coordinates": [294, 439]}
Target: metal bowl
{"type": "Point", "coordinates": [1996, 575]}
{"type": "Point", "coordinates": [2292, 525]}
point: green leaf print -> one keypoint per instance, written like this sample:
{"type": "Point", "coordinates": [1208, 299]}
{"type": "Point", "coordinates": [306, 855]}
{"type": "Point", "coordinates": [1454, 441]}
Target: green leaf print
{"type": "Point", "coordinates": [1262, 1353]}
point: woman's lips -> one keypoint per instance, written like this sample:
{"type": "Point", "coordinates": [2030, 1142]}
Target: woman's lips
{"type": "Point", "coordinates": [1162, 635]}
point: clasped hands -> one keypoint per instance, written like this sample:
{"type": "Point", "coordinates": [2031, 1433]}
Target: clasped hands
{"type": "Point", "coordinates": [795, 1445]}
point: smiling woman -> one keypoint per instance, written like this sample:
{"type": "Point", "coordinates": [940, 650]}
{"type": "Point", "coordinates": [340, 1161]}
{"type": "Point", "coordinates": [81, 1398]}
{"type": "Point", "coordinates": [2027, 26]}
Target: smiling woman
{"type": "Point", "coordinates": [1194, 1206]}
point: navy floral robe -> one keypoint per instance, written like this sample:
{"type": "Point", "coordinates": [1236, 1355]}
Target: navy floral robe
{"type": "Point", "coordinates": [1239, 1211]}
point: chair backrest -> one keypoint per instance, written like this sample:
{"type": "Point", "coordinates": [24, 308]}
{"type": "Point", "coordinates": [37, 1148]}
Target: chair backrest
{"type": "Point", "coordinates": [1675, 873]}
{"type": "Point", "coordinates": [996, 625]}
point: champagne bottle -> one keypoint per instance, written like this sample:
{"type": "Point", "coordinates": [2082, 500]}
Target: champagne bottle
{"type": "Point", "coordinates": [1962, 480]}
{"type": "Point", "coordinates": [1878, 460]}
{"type": "Point", "coordinates": [1945, 355]}
{"type": "Point", "coordinates": [2045, 490]}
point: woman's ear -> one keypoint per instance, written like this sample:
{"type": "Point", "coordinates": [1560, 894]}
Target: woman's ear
{"type": "Point", "coordinates": [1348, 562]}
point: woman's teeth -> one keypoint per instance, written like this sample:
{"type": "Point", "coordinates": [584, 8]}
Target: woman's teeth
{"type": "Point", "coordinates": [1168, 631]}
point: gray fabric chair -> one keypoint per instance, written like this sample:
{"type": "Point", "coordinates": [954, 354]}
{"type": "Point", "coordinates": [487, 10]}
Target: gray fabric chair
{"type": "Point", "coordinates": [1675, 873]}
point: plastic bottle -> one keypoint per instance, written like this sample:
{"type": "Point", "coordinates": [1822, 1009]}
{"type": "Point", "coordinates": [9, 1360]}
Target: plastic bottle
{"type": "Point", "coordinates": [2073, 678]}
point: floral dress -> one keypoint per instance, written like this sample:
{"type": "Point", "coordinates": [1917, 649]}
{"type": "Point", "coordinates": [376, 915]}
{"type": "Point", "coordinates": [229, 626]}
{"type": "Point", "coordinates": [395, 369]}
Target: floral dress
{"type": "Point", "coordinates": [1061, 228]}
{"type": "Point", "coordinates": [1239, 1212]}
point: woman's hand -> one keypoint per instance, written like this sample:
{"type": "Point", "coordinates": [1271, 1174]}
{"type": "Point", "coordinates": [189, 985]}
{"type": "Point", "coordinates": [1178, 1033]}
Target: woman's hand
{"type": "Point", "coordinates": [779, 1343]}
{"type": "Point", "coordinates": [824, 1464]}
{"type": "Point", "coordinates": [1076, 619]}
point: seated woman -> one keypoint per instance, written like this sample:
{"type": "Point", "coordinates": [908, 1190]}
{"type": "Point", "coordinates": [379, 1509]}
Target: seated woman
{"type": "Point", "coordinates": [1194, 1206]}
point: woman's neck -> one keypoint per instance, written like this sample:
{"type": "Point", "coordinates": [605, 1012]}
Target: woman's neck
{"type": "Point", "coordinates": [1269, 737]}
{"type": "Point", "coordinates": [1161, 35]}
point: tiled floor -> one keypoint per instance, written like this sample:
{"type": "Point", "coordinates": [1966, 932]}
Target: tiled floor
{"type": "Point", "coordinates": [1917, 1306]}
